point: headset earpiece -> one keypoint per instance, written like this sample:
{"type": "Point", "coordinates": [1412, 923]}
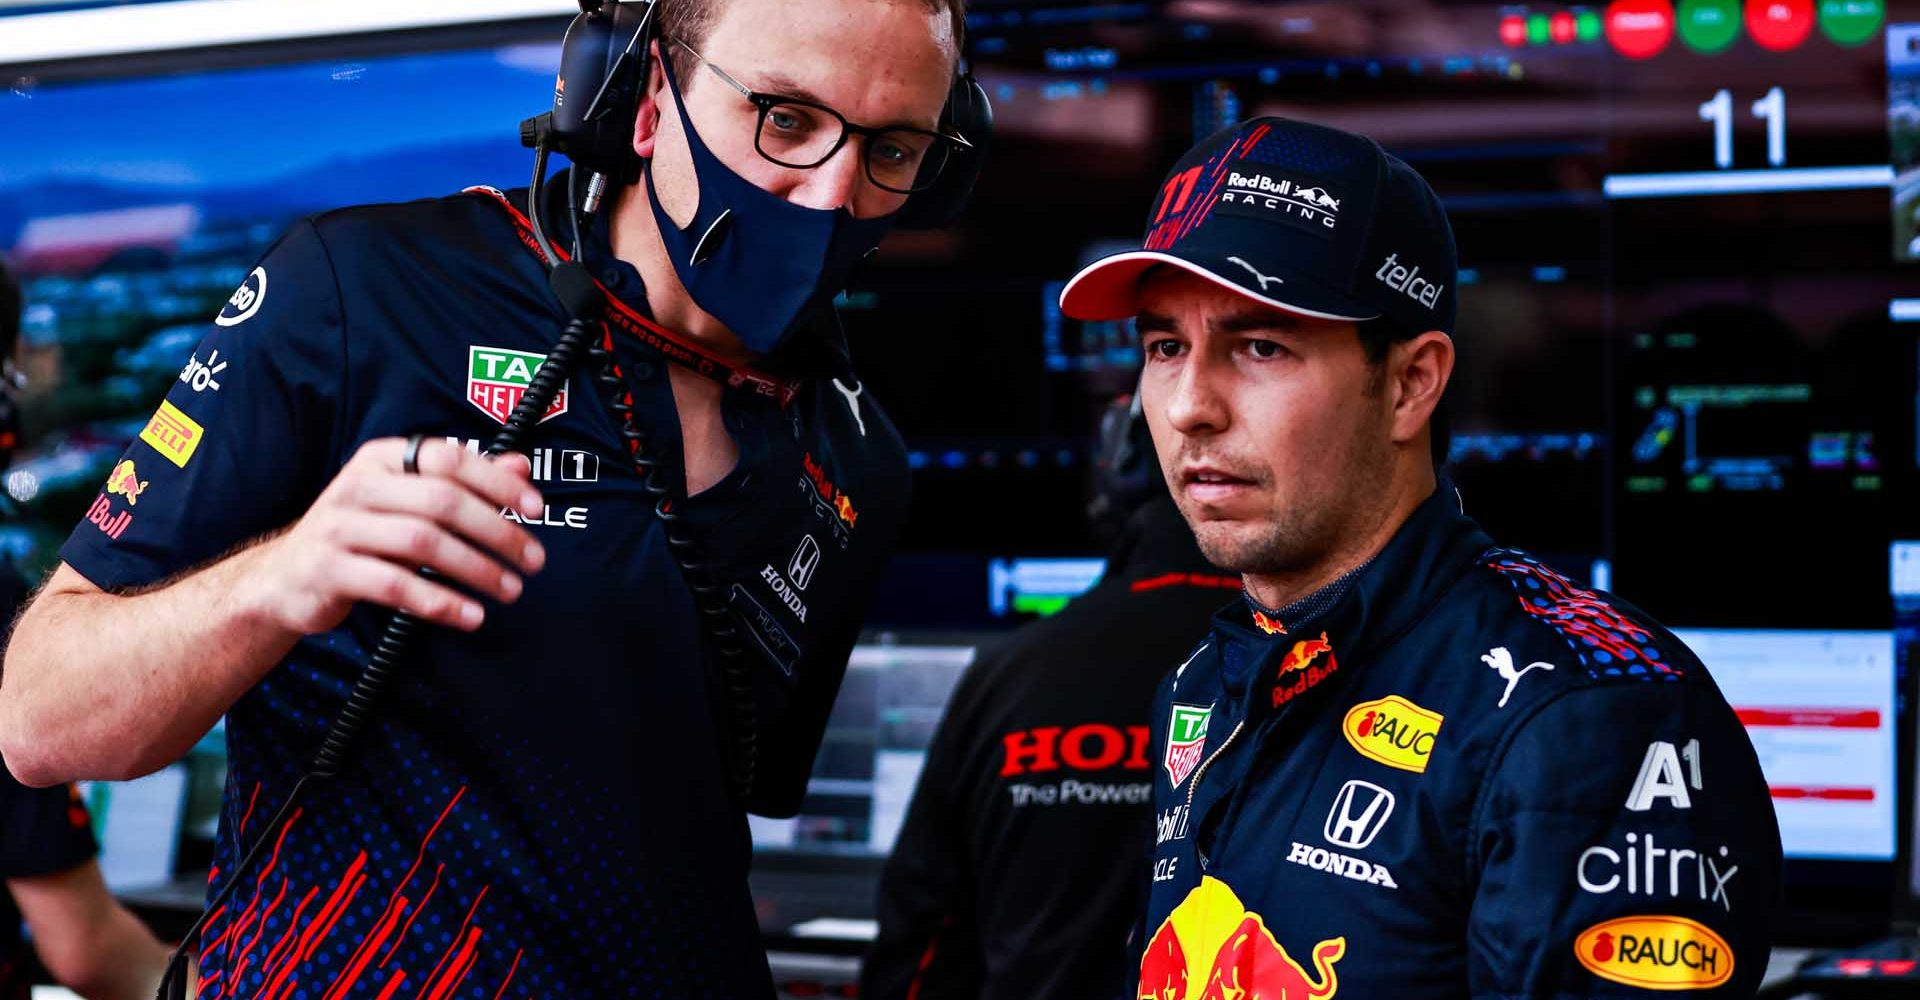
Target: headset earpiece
{"type": "Point", "coordinates": [969, 113]}
{"type": "Point", "coordinates": [603, 71]}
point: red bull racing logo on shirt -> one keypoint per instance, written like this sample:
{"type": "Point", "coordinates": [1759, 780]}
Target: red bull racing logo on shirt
{"type": "Point", "coordinates": [497, 378]}
{"type": "Point", "coordinates": [1186, 738]}
{"type": "Point", "coordinates": [1211, 948]}
{"type": "Point", "coordinates": [1393, 731]}
{"type": "Point", "coordinates": [1655, 953]}
{"type": "Point", "coordinates": [838, 502]}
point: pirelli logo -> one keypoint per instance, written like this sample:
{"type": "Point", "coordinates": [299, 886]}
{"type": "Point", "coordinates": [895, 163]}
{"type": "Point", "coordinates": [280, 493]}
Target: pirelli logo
{"type": "Point", "coordinates": [173, 434]}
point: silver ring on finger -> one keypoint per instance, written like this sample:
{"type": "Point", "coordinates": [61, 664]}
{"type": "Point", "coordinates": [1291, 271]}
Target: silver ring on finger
{"type": "Point", "coordinates": [410, 458]}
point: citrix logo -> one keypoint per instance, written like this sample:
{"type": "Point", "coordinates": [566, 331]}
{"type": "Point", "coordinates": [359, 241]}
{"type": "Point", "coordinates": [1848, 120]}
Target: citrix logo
{"type": "Point", "coordinates": [1651, 870]}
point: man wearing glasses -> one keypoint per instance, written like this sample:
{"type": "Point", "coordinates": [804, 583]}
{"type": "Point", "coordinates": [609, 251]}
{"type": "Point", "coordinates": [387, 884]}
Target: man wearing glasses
{"type": "Point", "coordinates": [550, 798]}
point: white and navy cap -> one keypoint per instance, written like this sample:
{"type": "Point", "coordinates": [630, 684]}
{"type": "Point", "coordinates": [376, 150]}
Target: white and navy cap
{"type": "Point", "coordinates": [1301, 217]}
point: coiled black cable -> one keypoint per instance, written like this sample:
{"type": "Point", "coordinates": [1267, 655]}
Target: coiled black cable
{"type": "Point", "coordinates": [709, 595]}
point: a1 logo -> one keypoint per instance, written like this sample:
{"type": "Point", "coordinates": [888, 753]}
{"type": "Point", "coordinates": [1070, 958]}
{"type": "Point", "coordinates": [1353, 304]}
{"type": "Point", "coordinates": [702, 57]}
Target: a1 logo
{"type": "Point", "coordinates": [1660, 777]}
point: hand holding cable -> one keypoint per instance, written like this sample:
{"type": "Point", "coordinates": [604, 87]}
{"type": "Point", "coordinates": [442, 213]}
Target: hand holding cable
{"type": "Point", "coordinates": [375, 526]}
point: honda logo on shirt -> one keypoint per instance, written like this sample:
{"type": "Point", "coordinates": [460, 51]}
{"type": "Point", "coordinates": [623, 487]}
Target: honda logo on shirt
{"type": "Point", "coordinates": [1358, 813]}
{"type": "Point", "coordinates": [805, 559]}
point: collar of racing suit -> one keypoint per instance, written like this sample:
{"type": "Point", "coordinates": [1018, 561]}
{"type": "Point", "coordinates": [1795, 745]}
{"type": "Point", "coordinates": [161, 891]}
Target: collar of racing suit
{"type": "Point", "coordinates": [1385, 598]}
{"type": "Point", "coordinates": [1292, 671]}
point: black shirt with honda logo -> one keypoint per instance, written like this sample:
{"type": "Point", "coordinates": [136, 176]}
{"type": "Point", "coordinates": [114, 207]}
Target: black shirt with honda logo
{"type": "Point", "coordinates": [1008, 879]}
{"type": "Point", "coordinates": [539, 808]}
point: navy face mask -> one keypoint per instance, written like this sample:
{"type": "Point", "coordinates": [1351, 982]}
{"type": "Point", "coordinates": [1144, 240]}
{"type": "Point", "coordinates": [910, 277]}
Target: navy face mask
{"type": "Point", "coordinates": [753, 260]}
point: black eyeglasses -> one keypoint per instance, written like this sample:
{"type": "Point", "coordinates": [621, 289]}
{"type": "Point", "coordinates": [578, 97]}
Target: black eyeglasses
{"type": "Point", "coordinates": [804, 134]}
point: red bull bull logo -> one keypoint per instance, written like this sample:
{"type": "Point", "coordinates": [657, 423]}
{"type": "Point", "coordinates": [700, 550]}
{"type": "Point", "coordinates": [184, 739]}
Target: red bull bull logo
{"type": "Point", "coordinates": [1299, 671]}
{"type": "Point", "coordinates": [125, 482]}
{"type": "Point", "coordinates": [1211, 948]}
{"type": "Point", "coordinates": [1267, 623]}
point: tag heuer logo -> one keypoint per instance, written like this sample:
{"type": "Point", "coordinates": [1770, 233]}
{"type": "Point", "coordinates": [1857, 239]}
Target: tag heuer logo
{"type": "Point", "coordinates": [1186, 737]}
{"type": "Point", "coordinates": [497, 378]}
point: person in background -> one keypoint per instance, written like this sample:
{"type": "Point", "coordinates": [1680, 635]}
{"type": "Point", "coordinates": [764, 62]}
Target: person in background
{"type": "Point", "coordinates": [1002, 884]}
{"type": "Point", "coordinates": [82, 935]}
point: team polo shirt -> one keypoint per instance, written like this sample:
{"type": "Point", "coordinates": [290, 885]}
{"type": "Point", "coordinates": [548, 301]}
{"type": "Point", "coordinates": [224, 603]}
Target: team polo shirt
{"type": "Point", "coordinates": [540, 807]}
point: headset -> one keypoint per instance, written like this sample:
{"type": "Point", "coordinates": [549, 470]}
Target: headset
{"type": "Point", "coordinates": [604, 64]}
{"type": "Point", "coordinates": [1126, 471]}
{"type": "Point", "coordinates": [603, 68]}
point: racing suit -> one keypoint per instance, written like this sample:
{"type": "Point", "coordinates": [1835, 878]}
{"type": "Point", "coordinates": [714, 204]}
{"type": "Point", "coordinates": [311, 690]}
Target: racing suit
{"type": "Point", "coordinates": [1465, 775]}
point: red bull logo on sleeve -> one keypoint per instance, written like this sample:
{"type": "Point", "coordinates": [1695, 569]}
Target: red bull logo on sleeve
{"type": "Point", "coordinates": [1211, 948]}
{"type": "Point", "coordinates": [124, 481]}
{"type": "Point", "coordinates": [1655, 953]}
{"type": "Point", "coordinates": [1393, 731]}
{"type": "Point", "coordinates": [1186, 738]}
{"type": "Point", "coordinates": [101, 515]}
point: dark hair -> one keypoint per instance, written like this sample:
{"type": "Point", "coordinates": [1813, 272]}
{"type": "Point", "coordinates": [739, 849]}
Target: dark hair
{"type": "Point", "coordinates": [1376, 336]}
{"type": "Point", "coordinates": [10, 304]}
{"type": "Point", "coordinates": [691, 20]}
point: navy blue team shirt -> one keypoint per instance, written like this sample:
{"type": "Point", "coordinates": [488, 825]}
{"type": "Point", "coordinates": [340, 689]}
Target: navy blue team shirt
{"type": "Point", "coordinates": [541, 807]}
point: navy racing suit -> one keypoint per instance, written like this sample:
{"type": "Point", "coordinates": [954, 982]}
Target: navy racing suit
{"type": "Point", "coordinates": [1466, 776]}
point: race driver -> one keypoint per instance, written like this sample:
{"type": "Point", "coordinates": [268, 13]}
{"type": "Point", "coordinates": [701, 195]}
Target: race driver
{"type": "Point", "coordinates": [542, 804]}
{"type": "Point", "coordinates": [1410, 763]}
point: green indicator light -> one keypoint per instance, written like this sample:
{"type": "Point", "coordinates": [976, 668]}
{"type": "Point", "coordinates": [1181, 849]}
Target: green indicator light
{"type": "Point", "coordinates": [1539, 29]}
{"type": "Point", "coordinates": [1709, 26]}
{"type": "Point", "coordinates": [1586, 26]}
{"type": "Point", "coordinates": [1040, 604]}
{"type": "Point", "coordinates": [1851, 22]}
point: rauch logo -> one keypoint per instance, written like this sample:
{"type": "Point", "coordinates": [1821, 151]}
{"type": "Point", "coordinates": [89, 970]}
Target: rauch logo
{"type": "Point", "coordinates": [1393, 731]}
{"type": "Point", "coordinates": [1655, 953]}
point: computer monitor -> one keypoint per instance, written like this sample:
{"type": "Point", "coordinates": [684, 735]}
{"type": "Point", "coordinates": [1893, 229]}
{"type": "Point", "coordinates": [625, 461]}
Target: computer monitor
{"type": "Point", "coordinates": [890, 704]}
{"type": "Point", "coordinates": [1820, 708]}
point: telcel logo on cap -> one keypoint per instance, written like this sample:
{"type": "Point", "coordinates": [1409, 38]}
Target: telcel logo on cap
{"type": "Point", "coordinates": [1408, 282]}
